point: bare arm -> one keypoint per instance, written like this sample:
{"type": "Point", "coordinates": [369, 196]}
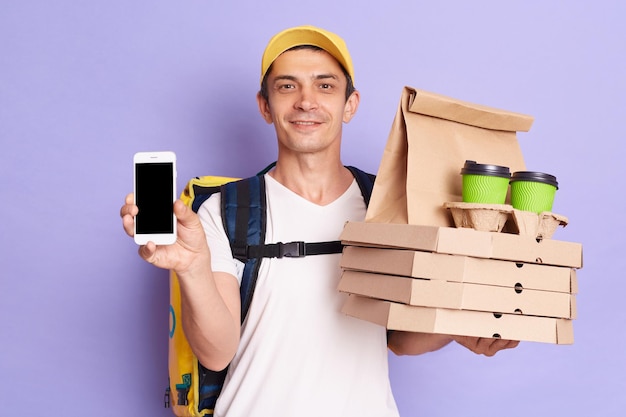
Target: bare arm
{"type": "Point", "coordinates": [211, 317]}
{"type": "Point", "coordinates": [408, 343]}
{"type": "Point", "coordinates": [209, 301]}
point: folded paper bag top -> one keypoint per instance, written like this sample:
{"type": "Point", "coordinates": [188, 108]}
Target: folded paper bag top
{"type": "Point", "coordinates": [431, 137]}
{"type": "Point", "coordinates": [443, 107]}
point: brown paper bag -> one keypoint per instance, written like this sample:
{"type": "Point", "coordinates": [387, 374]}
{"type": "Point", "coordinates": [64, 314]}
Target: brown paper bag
{"type": "Point", "coordinates": [430, 139]}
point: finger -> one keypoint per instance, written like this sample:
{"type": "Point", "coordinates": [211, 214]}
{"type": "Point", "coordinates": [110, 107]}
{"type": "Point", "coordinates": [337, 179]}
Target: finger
{"type": "Point", "coordinates": [128, 213]}
{"type": "Point", "coordinates": [472, 343]}
{"type": "Point", "coordinates": [130, 198]}
{"type": "Point", "coordinates": [128, 222]}
{"type": "Point", "coordinates": [486, 346]}
{"type": "Point", "coordinates": [498, 344]}
{"type": "Point", "coordinates": [148, 252]}
{"type": "Point", "coordinates": [129, 209]}
{"type": "Point", "coordinates": [492, 346]}
{"type": "Point", "coordinates": [511, 344]}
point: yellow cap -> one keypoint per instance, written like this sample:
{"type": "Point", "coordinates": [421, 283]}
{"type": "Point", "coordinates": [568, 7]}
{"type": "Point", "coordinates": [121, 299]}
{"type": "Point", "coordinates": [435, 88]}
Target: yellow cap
{"type": "Point", "coordinates": [307, 35]}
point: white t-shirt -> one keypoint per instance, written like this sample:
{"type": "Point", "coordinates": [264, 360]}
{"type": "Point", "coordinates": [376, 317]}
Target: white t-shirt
{"type": "Point", "coordinates": [299, 355]}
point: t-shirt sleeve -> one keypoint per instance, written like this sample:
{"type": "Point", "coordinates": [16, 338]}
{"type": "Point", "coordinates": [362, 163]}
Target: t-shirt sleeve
{"type": "Point", "coordinates": [221, 255]}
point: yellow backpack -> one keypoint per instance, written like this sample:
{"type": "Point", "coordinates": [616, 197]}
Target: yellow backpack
{"type": "Point", "coordinates": [183, 364]}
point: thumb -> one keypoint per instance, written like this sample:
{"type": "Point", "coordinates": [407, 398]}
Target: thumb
{"type": "Point", "coordinates": [181, 211]}
{"type": "Point", "coordinates": [185, 215]}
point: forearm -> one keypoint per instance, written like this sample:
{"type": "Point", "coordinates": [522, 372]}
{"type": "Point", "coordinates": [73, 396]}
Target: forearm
{"type": "Point", "coordinates": [410, 343]}
{"type": "Point", "coordinates": [210, 310]}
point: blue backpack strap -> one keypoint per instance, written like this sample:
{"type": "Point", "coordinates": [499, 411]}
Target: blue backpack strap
{"type": "Point", "coordinates": [202, 194]}
{"type": "Point", "coordinates": [244, 216]}
{"type": "Point", "coordinates": [365, 182]}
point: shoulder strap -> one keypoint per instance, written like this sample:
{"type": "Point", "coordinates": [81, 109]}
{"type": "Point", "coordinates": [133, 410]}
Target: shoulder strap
{"type": "Point", "coordinates": [365, 182]}
{"type": "Point", "coordinates": [244, 216]}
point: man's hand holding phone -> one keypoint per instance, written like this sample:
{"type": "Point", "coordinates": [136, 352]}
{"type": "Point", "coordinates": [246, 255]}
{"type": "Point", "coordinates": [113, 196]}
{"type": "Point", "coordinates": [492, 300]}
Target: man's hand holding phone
{"type": "Point", "coordinates": [169, 233]}
{"type": "Point", "coordinates": [190, 250]}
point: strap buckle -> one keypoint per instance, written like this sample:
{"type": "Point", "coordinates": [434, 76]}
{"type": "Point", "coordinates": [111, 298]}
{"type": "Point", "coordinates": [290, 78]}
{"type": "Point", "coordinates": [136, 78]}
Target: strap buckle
{"type": "Point", "coordinates": [291, 249]}
{"type": "Point", "coordinates": [240, 252]}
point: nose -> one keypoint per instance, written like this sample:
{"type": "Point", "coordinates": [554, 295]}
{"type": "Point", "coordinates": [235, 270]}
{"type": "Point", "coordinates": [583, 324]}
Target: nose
{"type": "Point", "coordinates": [307, 100]}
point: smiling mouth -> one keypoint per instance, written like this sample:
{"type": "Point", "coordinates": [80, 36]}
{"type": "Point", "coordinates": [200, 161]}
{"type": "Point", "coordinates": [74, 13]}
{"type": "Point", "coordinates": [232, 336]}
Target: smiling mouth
{"type": "Point", "coordinates": [305, 123]}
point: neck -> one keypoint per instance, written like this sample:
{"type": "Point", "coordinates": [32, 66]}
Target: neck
{"type": "Point", "coordinates": [319, 180]}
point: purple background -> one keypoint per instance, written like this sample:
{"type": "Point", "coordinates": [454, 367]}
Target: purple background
{"type": "Point", "coordinates": [84, 85]}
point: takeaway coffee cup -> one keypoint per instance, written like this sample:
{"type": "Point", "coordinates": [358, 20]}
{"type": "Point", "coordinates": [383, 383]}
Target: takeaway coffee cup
{"type": "Point", "coordinates": [484, 183]}
{"type": "Point", "coordinates": [533, 191]}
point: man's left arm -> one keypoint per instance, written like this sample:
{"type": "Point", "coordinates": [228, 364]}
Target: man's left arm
{"type": "Point", "coordinates": [410, 343]}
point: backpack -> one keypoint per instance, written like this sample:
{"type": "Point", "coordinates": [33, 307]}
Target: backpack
{"type": "Point", "coordinates": [244, 215]}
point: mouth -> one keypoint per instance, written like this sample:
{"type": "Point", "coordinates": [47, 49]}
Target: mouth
{"type": "Point", "coordinates": [305, 122]}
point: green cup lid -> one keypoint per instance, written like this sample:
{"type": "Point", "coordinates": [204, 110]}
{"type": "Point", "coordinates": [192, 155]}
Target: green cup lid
{"type": "Point", "coordinates": [535, 177]}
{"type": "Point", "coordinates": [472, 167]}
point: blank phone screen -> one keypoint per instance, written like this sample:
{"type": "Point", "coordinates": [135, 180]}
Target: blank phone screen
{"type": "Point", "coordinates": [154, 197]}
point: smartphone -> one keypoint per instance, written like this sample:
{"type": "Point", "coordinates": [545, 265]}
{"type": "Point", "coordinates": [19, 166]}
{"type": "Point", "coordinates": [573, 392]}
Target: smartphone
{"type": "Point", "coordinates": [155, 193]}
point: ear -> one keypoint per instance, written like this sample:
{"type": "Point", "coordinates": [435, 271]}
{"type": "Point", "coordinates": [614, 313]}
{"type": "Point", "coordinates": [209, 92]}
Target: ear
{"type": "Point", "coordinates": [352, 104]}
{"type": "Point", "coordinates": [264, 108]}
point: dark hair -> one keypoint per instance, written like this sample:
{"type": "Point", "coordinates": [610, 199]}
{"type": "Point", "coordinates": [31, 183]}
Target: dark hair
{"type": "Point", "coordinates": [349, 87]}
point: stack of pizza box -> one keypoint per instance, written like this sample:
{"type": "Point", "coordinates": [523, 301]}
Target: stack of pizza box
{"type": "Point", "coordinates": [461, 281]}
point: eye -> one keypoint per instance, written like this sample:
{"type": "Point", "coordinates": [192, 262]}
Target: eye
{"type": "Point", "coordinates": [284, 86]}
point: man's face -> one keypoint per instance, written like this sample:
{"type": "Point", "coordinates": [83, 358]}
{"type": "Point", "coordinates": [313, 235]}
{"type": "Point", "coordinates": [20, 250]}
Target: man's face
{"type": "Point", "coordinates": [307, 104]}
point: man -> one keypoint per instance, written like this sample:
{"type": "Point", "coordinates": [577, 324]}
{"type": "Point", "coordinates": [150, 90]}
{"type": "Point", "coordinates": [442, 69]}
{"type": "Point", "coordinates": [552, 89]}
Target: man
{"type": "Point", "coordinates": [296, 354]}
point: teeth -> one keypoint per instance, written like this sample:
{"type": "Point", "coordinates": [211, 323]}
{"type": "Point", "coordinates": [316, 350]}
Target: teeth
{"type": "Point", "coordinates": [304, 123]}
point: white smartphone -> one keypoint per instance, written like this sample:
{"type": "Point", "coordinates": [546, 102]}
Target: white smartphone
{"type": "Point", "coordinates": [155, 193]}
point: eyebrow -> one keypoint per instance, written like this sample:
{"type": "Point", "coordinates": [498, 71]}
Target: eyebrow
{"type": "Point", "coordinates": [317, 77]}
